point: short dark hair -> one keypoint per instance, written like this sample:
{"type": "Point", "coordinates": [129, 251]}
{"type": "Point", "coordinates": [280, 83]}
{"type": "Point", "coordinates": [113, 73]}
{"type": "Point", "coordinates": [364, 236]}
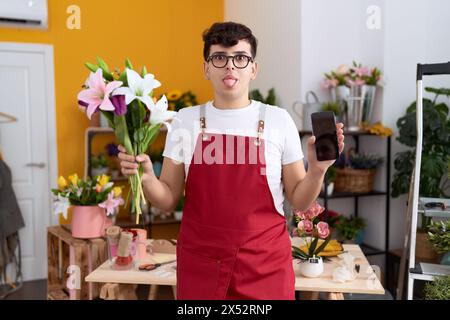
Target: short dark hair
{"type": "Point", "coordinates": [228, 34]}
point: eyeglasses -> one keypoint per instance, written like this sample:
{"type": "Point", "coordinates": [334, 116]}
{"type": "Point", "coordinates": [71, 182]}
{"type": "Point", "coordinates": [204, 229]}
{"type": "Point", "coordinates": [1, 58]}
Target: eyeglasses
{"type": "Point", "coordinates": [240, 61]}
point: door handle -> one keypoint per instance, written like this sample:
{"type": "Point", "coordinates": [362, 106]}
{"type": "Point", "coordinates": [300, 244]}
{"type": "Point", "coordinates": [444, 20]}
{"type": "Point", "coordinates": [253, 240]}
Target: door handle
{"type": "Point", "coordinates": [36, 164]}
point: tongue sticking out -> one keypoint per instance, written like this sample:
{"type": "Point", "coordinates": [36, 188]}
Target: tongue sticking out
{"type": "Point", "coordinates": [229, 82]}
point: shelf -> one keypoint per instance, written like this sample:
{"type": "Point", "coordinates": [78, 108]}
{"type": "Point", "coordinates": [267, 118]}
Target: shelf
{"type": "Point", "coordinates": [437, 213]}
{"type": "Point", "coordinates": [352, 194]}
{"type": "Point", "coordinates": [417, 273]}
{"type": "Point", "coordinates": [347, 133]}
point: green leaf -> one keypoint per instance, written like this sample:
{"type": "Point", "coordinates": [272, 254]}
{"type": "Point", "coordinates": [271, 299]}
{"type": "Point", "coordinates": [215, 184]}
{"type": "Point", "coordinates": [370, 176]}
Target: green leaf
{"type": "Point", "coordinates": [91, 66]}
{"type": "Point", "coordinates": [144, 71]}
{"type": "Point", "coordinates": [106, 73]}
{"type": "Point", "coordinates": [128, 64]}
{"type": "Point", "coordinates": [150, 135]}
{"type": "Point", "coordinates": [109, 115]}
{"type": "Point", "coordinates": [313, 246]}
{"type": "Point", "coordinates": [121, 131]}
{"type": "Point", "coordinates": [322, 246]}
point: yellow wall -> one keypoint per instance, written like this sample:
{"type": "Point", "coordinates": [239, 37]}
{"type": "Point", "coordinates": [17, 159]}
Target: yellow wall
{"type": "Point", "coordinates": [164, 35]}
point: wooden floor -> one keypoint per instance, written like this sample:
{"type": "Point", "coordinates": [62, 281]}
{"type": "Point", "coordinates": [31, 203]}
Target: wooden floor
{"type": "Point", "coordinates": [37, 290]}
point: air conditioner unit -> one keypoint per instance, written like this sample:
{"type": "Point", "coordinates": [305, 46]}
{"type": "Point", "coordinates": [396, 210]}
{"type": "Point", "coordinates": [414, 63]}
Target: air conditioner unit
{"type": "Point", "coordinates": [24, 13]}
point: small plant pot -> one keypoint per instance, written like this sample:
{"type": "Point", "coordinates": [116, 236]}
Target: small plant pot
{"type": "Point", "coordinates": [311, 268]}
{"type": "Point", "coordinates": [89, 222]}
{"type": "Point", "coordinates": [99, 171]}
{"type": "Point", "coordinates": [446, 259]}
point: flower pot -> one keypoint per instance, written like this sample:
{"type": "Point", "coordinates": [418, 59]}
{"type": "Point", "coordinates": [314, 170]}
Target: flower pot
{"type": "Point", "coordinates": [99, 171]}
{"type": "Point", "coordinates": [446, 259]}
{"type": "Point", "coordinates": [89, 222]}
{"type": "Point", "coordinates": [311, 268]}
{"type": "Point", "coordinates": [369, 92]}
{"type": "Point", "coordinates": [424, 248]}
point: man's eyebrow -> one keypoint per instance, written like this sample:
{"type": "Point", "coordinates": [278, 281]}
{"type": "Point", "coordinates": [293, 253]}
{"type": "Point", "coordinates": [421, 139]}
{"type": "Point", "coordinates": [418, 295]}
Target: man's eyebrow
{"type": "Point", "coordinates": [235, 52]}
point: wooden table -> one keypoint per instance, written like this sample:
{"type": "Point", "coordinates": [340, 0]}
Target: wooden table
{"type": "Point", "coordinates": [365, 282]}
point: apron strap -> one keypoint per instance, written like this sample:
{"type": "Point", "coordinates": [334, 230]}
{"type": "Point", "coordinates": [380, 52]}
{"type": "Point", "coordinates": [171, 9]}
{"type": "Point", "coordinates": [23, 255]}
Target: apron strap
{"type": "Point", "coordinates": [262, 115]}
{"type": "Point", "coordinates": [203, 122]}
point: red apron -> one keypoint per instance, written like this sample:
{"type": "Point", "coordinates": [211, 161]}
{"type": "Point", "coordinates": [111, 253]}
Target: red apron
{"type": "Point", "coordinates": [233, 243]}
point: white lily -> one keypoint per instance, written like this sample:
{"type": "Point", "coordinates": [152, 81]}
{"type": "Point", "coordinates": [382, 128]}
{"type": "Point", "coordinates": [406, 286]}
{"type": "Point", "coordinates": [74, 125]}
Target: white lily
{"type": "Point", "coordinates": [61, 205]}
{"type": "Point", "coordinates": [138, 88]}
{"type": "Point", "coordinates": [160, 114]}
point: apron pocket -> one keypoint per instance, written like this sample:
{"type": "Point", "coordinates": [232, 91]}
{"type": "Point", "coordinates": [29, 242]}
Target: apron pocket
{"type": "Point", "coordinates": [197, 275]}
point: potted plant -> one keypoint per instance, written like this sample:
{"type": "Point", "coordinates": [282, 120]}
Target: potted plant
{"type": "Point", "coordinates": [93, 201]}
{"type": "Point", "coordinates": [99, 165]}
{"type": "Point", "coordinates": [351, 230]}
{"type": "Point", "coordinates": [331, 178]}
{"type": "Point", "coordinates": [356, 173]}
{"type": "Point", "coordinates": [270, 99]}
{"type": "Point", "coordinates": [435, 156]}
{"type": "Point", "coordinates": [439, 236]}
{"type": "Point", "coordinates": [439, 289]}
{"type": "Point", "coordinates": [316, 235]}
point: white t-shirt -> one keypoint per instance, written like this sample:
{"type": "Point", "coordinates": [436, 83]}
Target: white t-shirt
{"type": "Point", "coordinates": [282, 141]}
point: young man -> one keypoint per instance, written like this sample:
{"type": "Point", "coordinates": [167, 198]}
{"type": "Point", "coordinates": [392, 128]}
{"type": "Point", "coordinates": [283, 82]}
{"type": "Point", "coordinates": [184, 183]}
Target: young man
{"type": "Point", "coordinates": [234, 158]}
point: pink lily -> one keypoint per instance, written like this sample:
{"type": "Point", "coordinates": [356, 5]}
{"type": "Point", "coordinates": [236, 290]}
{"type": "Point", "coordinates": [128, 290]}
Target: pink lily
{"type": "Point", "coordinates": [111, 204]}
{"type": "Point", "coordinates": [97, 94]}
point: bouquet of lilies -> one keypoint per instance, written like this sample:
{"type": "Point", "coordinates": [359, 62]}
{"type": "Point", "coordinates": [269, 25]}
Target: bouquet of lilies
{"type": "Point", "coordinates": [125, 98]}
{"type": "Point", "coordinates": [89, 192]}
{"type": "Point", "coordinates": [310, 227]}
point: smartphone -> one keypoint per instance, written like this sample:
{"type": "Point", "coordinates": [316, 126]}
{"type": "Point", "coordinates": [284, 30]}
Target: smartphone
{"type": "Point", "coordinates": [324, 129]}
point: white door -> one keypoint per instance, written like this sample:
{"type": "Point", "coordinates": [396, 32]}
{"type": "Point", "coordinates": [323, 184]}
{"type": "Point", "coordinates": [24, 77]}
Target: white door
{"type": "Point", "coordinates": [28, 145]}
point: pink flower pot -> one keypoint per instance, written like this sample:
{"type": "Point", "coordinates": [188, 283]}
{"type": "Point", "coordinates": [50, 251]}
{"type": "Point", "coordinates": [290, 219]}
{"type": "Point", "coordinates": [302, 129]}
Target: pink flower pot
{"type": "Point", "coordinates": [89, 222]}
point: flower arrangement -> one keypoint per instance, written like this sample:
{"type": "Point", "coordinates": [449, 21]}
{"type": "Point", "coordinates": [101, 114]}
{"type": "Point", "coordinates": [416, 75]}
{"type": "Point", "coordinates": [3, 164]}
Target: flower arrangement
{"type": "Point", "coordinates": [178, 100]}
{"type": "Point", "coordinates": [125, 98]}
{"type": "Point", "coordinates": [439, 235]}
{"type": "Point", "coordinates": [310, 227]}
{"type": "Point", "coordinates": [357, 74]}
{"type": "Point", "coordinates": [89, 192]}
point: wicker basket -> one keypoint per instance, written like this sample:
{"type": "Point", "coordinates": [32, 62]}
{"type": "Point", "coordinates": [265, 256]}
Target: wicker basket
{"type": "Point", "coordinates": [354, 180]}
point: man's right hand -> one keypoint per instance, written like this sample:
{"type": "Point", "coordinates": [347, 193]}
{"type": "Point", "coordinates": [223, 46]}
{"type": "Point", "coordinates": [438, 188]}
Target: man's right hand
{"type": "Point", "coordinates": [129, 164]}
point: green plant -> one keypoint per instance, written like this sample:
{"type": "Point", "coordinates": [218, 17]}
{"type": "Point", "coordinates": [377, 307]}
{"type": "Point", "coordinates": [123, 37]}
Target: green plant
{"type": "Point", "coordinates": [331, 174]}
{"type": "Point", "coordinates": [439, 235]}
{"type": "Point", "coordinates": [270, 99]}
{"type": "Point", "coordinates": [439, 289]}
{"type": "Point", "coordinates": [364, 161]}
{"type": "Point", "coordinates": [332, 106]}
{"type": "Point", "coordinates": [178, 100]}
{"type": "Point", "coordinates": [435, 147]}
{"type": "Point", "coordinates": [99, 161]}
{"type": "Point", "coordinates": [348, 228]}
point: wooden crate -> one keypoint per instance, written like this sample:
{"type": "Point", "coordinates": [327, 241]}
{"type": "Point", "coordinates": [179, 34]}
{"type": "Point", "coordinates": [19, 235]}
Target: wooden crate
{"type": "Point", "coordinates": [63, 251]}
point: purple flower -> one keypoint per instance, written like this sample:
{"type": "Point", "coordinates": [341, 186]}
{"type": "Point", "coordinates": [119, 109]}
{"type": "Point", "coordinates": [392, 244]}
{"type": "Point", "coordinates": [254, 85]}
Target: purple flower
{"type": "Point", "coordinates": [120, 107]}
{"type": "Point", "coordinates": [112, 149]}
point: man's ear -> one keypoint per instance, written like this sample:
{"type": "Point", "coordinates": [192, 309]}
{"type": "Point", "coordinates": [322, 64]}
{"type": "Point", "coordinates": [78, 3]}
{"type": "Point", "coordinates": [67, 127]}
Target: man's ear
{"type": "Point", "coordinates": [206, 70]}
{"type": "Point", "coordinates": [254, 70]}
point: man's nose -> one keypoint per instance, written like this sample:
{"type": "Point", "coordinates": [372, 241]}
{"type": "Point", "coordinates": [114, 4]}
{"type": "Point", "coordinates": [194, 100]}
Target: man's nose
{"type": "Point", "coordinates": [229, 64]}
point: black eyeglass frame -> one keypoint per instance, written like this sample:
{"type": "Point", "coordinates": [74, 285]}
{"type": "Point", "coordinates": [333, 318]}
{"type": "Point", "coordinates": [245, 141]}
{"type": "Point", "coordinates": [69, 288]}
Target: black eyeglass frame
{"type": "Point", "coordinates": [249, 59]}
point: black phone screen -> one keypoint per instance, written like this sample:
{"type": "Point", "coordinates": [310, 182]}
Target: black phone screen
{"type": "Point", "coordinates": [324, 129]}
